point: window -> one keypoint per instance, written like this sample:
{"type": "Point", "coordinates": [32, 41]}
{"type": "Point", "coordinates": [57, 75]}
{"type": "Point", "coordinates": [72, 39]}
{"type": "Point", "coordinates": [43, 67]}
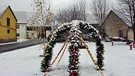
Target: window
{"type": "Point", "coordinates": [8, 31]}
{"type": "Point", "coordinates": [18, 34]}
{"type": "Point", "coordinates": [120, 33]}
{"type": "Point", "coordinates": [17, 26]}
{"type": "Point", "coordinates": [8, 21]}
{"type": "Point", "coordinates": [32, 33]}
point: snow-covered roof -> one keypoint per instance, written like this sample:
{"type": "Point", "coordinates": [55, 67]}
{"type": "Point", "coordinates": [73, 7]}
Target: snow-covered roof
{"type": "Point", "coordinates": [122, 17]}
{"type": "Point", "coordinates": [21, 16]}
{"type": "Point", "coordinates": [116, 12]}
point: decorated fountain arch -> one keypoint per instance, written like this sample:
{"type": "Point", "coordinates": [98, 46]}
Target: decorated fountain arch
{"type": "Point", "coordinates": [74, 29]}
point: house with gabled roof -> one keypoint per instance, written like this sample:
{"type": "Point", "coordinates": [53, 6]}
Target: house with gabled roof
{"type": "Point", "coordinates": [25, 27]}
{"type": "Point", "coordinates": [7, 25]}
{"type": "Point", "coordinates": [21, 25]}
{"type": "Point", "coordinates": [115, 26]}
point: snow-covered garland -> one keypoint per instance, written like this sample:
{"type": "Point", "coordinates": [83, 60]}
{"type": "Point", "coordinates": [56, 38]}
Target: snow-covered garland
{"type": "Point", "coordinates": [95, 34]}
{"type": "Point", "coordinates": [48, 51]}
{"type": "Point", "coordinates": [73, 61]}
{"type": "Point", "coordinates": [66, 27]}
{"type": "Point", "coordinates": [74, 52]}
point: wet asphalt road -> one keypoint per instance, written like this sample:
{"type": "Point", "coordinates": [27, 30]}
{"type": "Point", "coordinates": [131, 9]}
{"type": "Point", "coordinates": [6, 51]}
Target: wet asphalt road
{"type": "Point", "coordinates": [18, 45]}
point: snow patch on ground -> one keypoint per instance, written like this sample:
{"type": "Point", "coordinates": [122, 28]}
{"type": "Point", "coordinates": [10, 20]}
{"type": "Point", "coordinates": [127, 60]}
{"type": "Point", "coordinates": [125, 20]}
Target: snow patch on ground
{"type": "Point", "coordinates": [119, 61]}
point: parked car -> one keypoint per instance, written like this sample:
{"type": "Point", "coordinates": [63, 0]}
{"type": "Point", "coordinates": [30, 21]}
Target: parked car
{"type": "Point", "coordinates": [117, 39]}
{"type": "Point", "coordinates": [129, 41]}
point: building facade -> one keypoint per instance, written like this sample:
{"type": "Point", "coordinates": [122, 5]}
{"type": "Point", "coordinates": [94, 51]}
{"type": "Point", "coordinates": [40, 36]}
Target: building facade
{"type": "Point", "coordinates": [114, 26]}
{"type": "Point", "coordinates": [130, 34]}
{"type": "Point", "coordinates": [21, 30]}
{"type": "Point", "coordinates": [21, 25]}
{"type": "Point", "coordinates": [7, 25]}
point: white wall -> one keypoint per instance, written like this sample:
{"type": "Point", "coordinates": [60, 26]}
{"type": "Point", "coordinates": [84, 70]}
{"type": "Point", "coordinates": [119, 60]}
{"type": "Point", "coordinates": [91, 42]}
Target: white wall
{"type": "Point", "coordinates": [22, 30]}
{"type": "Point", "coordinates": [130, 34]}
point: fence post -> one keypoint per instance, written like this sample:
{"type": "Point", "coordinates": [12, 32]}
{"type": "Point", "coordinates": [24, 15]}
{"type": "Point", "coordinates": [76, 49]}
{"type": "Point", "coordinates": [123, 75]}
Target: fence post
{"type": "Point", "coordinates": [112, 43]}
{"type": "Point", "coordinates": [133, 44]}
{"type": "Point", "coordinates": [130, 46]}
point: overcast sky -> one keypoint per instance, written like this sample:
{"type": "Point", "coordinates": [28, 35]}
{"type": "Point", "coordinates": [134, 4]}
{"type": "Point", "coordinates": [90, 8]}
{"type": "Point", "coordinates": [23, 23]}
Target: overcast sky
{"type": "Point", "coordinates": [25, 5]}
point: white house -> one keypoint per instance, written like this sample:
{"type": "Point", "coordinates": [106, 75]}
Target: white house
{"type": "Point", "coordinates": [21, 24]}
{"type": "Point", "coordinates": [25, 31]}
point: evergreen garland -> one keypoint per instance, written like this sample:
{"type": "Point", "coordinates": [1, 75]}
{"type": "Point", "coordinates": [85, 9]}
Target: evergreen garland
{"type": "Point", "coordinates": [73, 56]}
{"type": "Point", "coordinates": [100, 48]}
{"type": "Point", "coordinates": [73, 49]}
{"type": "Point", "coordinates": [73, 61]}
{"type": "Point", "coordinates": [52, 41]}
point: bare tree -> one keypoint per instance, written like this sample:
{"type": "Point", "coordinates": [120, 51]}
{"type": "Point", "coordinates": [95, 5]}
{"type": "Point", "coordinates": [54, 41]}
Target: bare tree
{"type": "Point", "coordinates": [99, 9]}
{"type": "Point", "coordinates": [42, 13]}
{"type": "Point", "coordinates": [39, 19]}
{"type": "Point", "coordinates": [127, 10]}
{"type": "Point", "coordinates": [73, 12]}
{"type": "Point", "coordinates": [82, 9]}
